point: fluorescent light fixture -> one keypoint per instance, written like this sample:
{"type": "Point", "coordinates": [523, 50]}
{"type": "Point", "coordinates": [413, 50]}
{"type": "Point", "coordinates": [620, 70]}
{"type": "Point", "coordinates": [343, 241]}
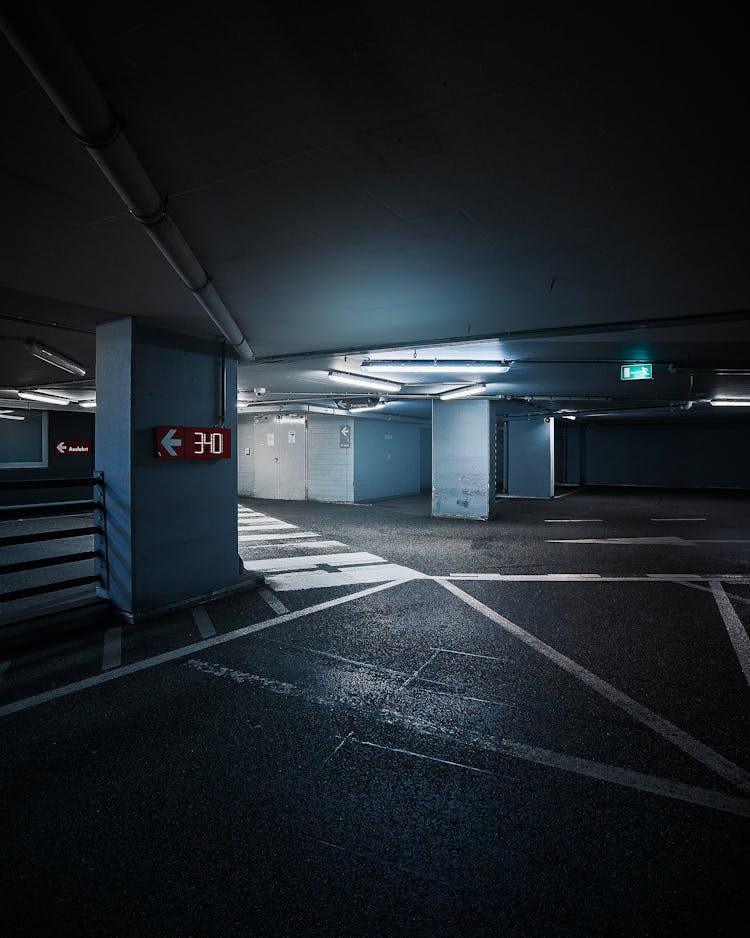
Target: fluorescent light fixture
{"type": "Point", "coordinates": [55, 358]}
{"type": "Point", "coordinates": [568, 417]}
{"type": "Point", "coordinates": [358, 409]}
{"type": "Point", "coordinates": [723, 403]}
{"type": "Point", "coordinates": [87, 403]}
{"type": "Point", "coordinates": [436, 365]}
{"type": "Point", "coordinates": [361, 381]}
{"type": "Point", "coordinates": [44, 398]}
{"type": "Point", "coordinates": [465, 391]}
{"type": "Point", "coordinates": [7, 415]}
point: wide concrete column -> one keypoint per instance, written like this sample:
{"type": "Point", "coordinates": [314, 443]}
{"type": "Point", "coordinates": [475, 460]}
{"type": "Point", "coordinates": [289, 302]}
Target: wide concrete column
{"type": "Point", "coordinates": [463, 459]}
{"type": "Point", "coordinates": [530, 454]}
{"type": "Point", "coordinates": [171, 524]}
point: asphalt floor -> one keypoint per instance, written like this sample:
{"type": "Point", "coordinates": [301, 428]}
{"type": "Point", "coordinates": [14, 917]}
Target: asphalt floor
{"type": "Point", "coordinates": [535, 725]}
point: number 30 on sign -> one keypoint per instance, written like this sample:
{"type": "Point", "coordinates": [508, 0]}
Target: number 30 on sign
{"type": "Point", "coordinates": [193, 442]}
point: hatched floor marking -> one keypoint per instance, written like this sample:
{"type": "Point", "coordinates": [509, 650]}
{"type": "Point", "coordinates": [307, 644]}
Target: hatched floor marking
{"type": "Point", "coordinates": [275, 537]}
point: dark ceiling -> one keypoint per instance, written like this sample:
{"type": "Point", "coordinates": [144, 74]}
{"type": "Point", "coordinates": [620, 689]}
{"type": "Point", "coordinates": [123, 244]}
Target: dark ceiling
{"type": "Point", "coordinates": [561, 188]}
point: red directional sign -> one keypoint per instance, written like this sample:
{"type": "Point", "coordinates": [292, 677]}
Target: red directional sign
{"type": "Point", "coordinates": [73, 447]}
{"type": "Point", "coordinates": [193, 442]}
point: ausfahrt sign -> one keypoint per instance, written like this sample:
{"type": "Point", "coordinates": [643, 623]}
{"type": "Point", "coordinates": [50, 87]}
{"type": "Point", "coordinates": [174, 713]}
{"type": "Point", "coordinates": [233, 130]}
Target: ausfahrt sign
{"type": "Point", "coordinates": [73, 447]}
{"type": "Point", "coordinates": [193, 442]}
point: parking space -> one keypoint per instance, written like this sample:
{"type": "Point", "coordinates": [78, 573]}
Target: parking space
{"type": "Point", "coordinates": [414, 727]}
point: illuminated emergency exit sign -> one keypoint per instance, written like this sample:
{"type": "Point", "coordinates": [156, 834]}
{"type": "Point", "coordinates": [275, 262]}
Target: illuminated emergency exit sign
{"type": "Point", "coordinates": [193, 442]}
{"type": "Point", "coordinates": [639, 372]}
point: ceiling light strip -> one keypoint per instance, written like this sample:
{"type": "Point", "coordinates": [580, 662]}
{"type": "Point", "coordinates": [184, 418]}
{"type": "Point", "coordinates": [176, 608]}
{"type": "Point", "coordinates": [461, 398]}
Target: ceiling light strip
{"type": "Point", "coordinates": [362, 381]}
{"type": "Point", "coordinates": [466, 391]}
{"type": "Point", "coordinates": [436, 365]}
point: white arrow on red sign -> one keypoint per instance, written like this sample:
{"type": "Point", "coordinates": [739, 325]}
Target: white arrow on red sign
{"type": "Point", "coordinates": [168, 441]}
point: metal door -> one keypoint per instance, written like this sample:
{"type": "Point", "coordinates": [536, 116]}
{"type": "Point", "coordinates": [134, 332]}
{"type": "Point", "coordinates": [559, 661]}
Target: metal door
{"type": "Point", "coordinates": [266, 459]}
{"type": "Point", "coordinates": [291, 458]}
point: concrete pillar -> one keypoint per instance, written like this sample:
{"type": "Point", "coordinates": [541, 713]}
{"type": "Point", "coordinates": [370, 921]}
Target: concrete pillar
{"type": "Point", "coordinates": [463, 459]}
{"type": "Point", "coordinates": [171, 524]}
{"type": "Point", "coordinates": [531, 457]}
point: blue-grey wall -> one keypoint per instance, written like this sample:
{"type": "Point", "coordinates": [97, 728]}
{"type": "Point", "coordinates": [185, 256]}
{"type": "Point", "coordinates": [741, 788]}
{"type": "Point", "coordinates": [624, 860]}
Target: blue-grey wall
{"type": "Point", "coordinates": [463, 470]}
{"type": "Point", "coordinates": [172, 525]}
{"type": "Point", "coordinates": [530, 457]}
{"type": "Point", "coordinates": [386, 458]}
{"type": "Point", "coordinates": [330, 467]}
{"type": "Point", "coordinates": [61, 426]}
{"type": "Point", "coordinates": [689, 454]}
{"type": "Point", "coordinates": [425, 457]}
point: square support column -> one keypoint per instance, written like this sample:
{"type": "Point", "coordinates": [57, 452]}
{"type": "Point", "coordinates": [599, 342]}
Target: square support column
{"type": "Point", "coordinates": [171, 524]}
{"type": "Point", "coordinates": [463, 459]}
{"type": "Point", "coordinates": [531, 457]}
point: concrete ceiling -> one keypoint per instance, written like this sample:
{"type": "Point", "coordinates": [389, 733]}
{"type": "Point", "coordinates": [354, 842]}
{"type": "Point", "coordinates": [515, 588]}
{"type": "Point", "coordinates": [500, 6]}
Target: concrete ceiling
{"type": "Point", "coordinates": [564, 191]}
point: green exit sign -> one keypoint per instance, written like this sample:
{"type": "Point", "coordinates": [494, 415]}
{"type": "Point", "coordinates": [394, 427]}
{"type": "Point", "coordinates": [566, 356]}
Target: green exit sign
{"type": "Point", "coordinates": [636, 372]}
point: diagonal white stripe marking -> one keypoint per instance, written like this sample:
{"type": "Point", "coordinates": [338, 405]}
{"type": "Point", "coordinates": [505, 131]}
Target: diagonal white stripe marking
{"type": "Point", "coordinates": [293, 545]}
{"type": "Point", "coordinates": [673, 734]}
{"type": "Point", "coordinates": [597, 578]}
{"type": "Point", "coordinates": [317, 579]}
{"type": "Point", "coordinates": [311, 561]}
{"type": "Point", "coordinates": [265, 526]}
{"type": "Point", "coordinates": [707, 589]}
{"type": "Point", "coordinates": [735, 629]}
{"type": "Point", "coordinates": [112, 648]}
{"type": "Point", "coordinates": [600, 771]}
{"type": "Point", "coordinates": [203, 620]}
{"type": "Point", "coordinates": [275, 537]}
{"type": "Point", "coordinates": [184, 652]}
{"type": "Point", "coordinates": [273, 601]}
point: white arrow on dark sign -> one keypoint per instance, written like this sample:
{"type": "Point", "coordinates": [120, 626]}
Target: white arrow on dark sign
{"type": "Point", "coordinates": [169, 442]}
{"type": "Point", "coordinates": [61, 447]}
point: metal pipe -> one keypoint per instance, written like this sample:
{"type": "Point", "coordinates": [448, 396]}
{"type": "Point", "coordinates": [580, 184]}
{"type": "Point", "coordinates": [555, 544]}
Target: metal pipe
{"type": "Point", "coordinates": [48, 53]}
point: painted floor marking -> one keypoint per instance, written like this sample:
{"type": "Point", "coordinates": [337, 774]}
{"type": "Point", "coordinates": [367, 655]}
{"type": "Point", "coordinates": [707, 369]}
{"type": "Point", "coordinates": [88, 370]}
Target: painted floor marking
{"type": "Point", "coordinates": [415, 674]}
{"type": "Point", "coordinates": [570, 520]}
{"type": "Point", "coordinates": [600, 771]}
{"type": "Point", "coordinates": [349, 576]}
{"type": "Point", "coordinates": [679, 738]}
{"type": "Point", "coordinates": [295, 544]}
{"type": "Point", "coordinates": [655, 541]}
{"type": "Point", "coordinates": [112, 648]}
{"type": "Point", "coordinates": [203, 620]}
{"type": "Point", "coordinates": [147, 663]}
{"type": "Point", "coordinates": [676, 519]}
{"type": "Point", "coordinates": [468, 654]}
{"type": "Point", "coordinates": [707, 589]}
{"type": "Point", "coordinates": [735, 629]}
{"type": "Point", "coordinates": [275, 537]}
{"type": "Point", "coordinates": [310, 561]}
{"type": "Point", "coordinates": [273, 601]}
{"type": "Point", "coordinates": [597, 577]}
{"type": "Point", "coordinates": [265, 526]}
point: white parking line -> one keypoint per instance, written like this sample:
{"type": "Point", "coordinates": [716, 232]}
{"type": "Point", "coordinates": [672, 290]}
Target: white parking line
{"type": "Point", "coordinates": [294, 545]}
{"type": "Point", "coordinates": [203, 620]}
{"type": "Point", "coordinates": [673, 734]}
{"type": "Point", "coordinates": [596, 577]}
{"type": "Point", "coordinates": [112, 648]}
{"type": "Point", "coordinates": [275, 537]}
{"type": "Point", "coordinates": [349, 576]}
{"type": "Point", "coordinates": [309, 562]}
{"type": "Point", "coordinates": [676, 519]}
{"type": "Point", "coordinates": [570, 520]}
{"type": "Point", "coordinates": [273, 601]}
{"type": "Point", "coordinates": [600, 771]}
{"type": "Point", "coordinates": [651, 541]}
{"type": "Point", "coordinates": [77, 686]}
{"type": "Point", "coordinates": [264, 525]}
{"type": "Point", "coordinates": [735, 629]}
